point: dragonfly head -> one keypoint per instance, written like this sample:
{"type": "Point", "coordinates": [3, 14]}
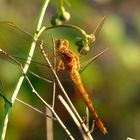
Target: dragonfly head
{"type": "Point", "coordinates": [62, 45]}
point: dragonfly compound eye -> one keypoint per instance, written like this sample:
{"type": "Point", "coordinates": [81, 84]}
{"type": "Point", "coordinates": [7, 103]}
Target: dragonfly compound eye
{"type": "Point", "coordinates": [65, 43]}
{"type": "Point", "coordinates": [84, 50]}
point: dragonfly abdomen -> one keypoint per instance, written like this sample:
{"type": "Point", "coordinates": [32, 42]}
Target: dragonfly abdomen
{"type": "Point", "coordinates": [77, 80]}
{"type": "Point", "coordinates": [72, 64]}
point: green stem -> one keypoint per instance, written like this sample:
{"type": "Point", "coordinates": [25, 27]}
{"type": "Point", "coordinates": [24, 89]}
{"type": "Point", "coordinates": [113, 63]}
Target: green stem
{"type": "Point", "coordinates": [81, 31]}
{"type": "Point", "coordinates": [61, 3]}
{"type": "Point", "coordinates": [25, 69]}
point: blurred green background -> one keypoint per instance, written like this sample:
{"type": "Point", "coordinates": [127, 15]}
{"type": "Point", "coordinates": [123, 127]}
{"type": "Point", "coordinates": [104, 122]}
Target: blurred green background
{"type": "Point", "coordinates": [112, 81]}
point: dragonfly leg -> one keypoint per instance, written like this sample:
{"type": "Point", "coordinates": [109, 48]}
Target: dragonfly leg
{"type": "Point", "coordinates": [92, 127]}
{"type": "Point", "coordinates": [60, 65]}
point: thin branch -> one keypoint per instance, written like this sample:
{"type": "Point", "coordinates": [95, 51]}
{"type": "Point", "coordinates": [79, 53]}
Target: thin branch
{"type": "Point", "coordinates": [54, 67]}
{"type": "Point", "coordinates": [40, 77]}
{"type": "Point", "coordinates": [49, 125]}
{"type": "Point", "coordinates": [49, 107]}
{"type": "Point", "coordinates": [92, 126]}
{"type": "Point", "coordinates": [54, 53]}
{"type": "Point", "coordinates": [87, 117]}
{"type": "Point", "coordinates": [85, 137]}
{"type": "Point", "coordinates": [35, 109]}
{"type": "Point", "coordinates": [54, 94]}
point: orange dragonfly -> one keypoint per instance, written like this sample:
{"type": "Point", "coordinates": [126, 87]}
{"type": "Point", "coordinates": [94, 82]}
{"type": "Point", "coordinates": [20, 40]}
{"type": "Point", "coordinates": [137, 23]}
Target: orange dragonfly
{"type": "Point", "coordinates": [69, 61]}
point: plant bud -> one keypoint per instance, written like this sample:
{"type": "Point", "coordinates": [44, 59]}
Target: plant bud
{"type": "Point", "coordinates": [64, 15]}
{"type": "Point", "coordinates": [55, 20]}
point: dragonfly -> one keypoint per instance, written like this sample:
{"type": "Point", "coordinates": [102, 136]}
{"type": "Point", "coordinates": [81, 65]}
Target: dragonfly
{"type": "Point", "coordinates": [71, 63]}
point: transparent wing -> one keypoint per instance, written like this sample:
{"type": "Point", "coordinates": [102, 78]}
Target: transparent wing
{"type": "Point", "coordinates": [16, 42]}
{"type": "Point", "coordinates": [36, 69]}
{"type": "Point", "coordinates": [88, 62]}
{"type": "Point", "coordinates": [13, 36]}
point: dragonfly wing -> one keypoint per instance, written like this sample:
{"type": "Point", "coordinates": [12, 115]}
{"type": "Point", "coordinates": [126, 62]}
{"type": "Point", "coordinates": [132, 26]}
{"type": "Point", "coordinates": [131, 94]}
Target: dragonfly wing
{"type": "Point", "coordinates": [88, 62]}
{"type": "Point", "coordinates": [13, 36]}
{"type": "Point", "coordinates": [37, 68]}
{"type": "Point", "coordinates": [13, 39]}
{"type": "Point", "coordinates": [16, 42]}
